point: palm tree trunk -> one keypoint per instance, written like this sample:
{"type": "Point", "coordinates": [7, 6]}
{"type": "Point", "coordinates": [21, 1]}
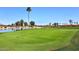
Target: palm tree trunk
{"type": "Point", "coordinates": [28, 18]}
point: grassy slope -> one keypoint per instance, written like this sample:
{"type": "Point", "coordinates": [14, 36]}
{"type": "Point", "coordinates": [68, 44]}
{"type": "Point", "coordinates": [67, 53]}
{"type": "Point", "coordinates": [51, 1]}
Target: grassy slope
{"type": "Point", "coordinates": [36, 39]}
{"type": "Point", "coordinates": [74, 44]}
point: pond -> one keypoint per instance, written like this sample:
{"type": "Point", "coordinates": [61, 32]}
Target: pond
{"type": "Point", "coordinates": [6, 30]}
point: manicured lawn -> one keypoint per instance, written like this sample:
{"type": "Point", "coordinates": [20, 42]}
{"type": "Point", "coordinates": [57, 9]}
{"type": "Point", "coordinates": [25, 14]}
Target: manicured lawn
{"type": "Point", "coordinates": [36, 39]}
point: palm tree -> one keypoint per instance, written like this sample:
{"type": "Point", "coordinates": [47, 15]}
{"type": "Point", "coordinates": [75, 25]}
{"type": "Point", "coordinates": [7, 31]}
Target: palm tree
{"type": "Point", "coordinates": [28, 10]}
{"type": "Point", "coordinates": [12, 24]}
{"type": "Point", "coordinates": [70, 21]}
{"type": "Point", "coordinates": [32, 23]}
{"type": "Point", "coordinates": [55, 24]}
{"type": "Point", "coordinates": [25, 24]}
{"type": "Point", "coordinates": [17, 23]}
{"type": "Point", "coordinates": [22, 22]}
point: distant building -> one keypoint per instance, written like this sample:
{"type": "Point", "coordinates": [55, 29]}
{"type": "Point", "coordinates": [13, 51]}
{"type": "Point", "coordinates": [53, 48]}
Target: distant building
{"type": "Point", "coordinates": [3, 27]}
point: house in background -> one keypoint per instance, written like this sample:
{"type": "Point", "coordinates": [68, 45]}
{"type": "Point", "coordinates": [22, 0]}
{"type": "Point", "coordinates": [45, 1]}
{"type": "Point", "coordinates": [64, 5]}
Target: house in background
{"type": "Point", "coordinates": [9, 27]}
{"type": "Point", "coordinates": [3, 27]}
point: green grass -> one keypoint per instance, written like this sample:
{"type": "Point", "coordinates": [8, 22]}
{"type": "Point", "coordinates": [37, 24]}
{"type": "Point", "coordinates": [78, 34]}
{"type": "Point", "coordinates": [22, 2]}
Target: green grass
{"type": "Point", "coordinates": [36, 39]}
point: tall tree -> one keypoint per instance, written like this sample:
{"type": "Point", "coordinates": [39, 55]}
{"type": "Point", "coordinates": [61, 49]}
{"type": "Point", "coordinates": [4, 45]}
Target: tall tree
{"type": "Point", "coordinates": [28, 10]}
{"type": "Point", "coordinates": [55, 24]}
{"type": "Point", "coordinates": [76, 23]}
{"type": "Point", "coordinates": [71, 22]}
{"type": "Point", "coordinates": [12, 24]}
{"type": "Point", "coordinates": [32, 23]}
{"type": "Point", "coordinates": [25, 24]}
{"type": "Point", "coordinates": [17, 23]}
{"type": "Point", "coordinates": [21, 22]}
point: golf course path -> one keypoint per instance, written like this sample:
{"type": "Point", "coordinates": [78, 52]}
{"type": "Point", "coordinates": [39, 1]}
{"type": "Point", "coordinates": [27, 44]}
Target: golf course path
{"type": "Point", "coordinates": [73, 46]}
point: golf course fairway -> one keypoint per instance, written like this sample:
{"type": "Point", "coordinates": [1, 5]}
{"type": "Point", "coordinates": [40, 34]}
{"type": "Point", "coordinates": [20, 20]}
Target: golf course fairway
{"type": "Point", "coordinates": [47, 39]}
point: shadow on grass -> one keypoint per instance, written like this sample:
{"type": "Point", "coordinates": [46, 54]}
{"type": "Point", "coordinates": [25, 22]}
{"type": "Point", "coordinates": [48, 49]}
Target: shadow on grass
{"type": "Point", "coordinates": [1, 33]}
{"type": "Point", "coordinates": [73, 46]}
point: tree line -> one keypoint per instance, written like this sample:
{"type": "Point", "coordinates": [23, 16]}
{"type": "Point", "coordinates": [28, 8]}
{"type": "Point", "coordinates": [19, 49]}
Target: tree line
{"type": "Point", "coordinates": [23, 23]}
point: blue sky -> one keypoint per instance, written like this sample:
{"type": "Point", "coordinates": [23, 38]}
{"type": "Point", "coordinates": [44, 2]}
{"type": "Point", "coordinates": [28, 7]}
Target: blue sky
{"type": "Point", "coordinates": [41, 15]}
